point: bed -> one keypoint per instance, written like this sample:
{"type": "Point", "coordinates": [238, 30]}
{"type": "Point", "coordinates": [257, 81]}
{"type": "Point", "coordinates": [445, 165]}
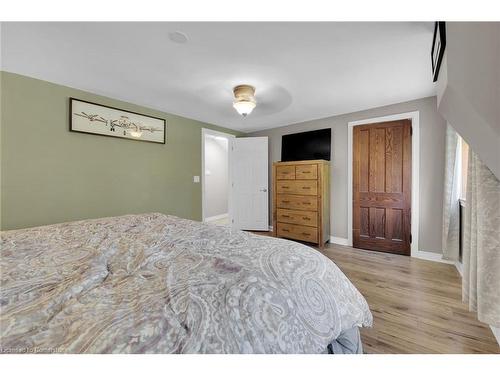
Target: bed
{"type": "Point", "coordinates": [154, 283]}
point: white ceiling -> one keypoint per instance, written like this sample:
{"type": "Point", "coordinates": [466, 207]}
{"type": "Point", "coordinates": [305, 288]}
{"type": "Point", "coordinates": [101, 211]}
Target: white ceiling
{"type": "Point", "coordinates": [301, 71]}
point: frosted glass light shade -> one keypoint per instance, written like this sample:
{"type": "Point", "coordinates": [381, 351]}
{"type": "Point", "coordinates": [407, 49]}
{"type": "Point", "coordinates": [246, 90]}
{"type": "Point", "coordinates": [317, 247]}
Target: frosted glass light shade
{"type": "Point", "coordinates": [244, 107]}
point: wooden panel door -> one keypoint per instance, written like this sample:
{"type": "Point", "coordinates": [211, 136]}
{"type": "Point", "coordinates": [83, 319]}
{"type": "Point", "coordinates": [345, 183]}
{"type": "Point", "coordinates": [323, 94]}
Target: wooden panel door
{"type": "Point", "coordinates": [382, 186]}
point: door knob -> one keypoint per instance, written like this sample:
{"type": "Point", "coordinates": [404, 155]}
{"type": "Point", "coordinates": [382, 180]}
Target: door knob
{"type": "Point", "coordinates": [263, 190]}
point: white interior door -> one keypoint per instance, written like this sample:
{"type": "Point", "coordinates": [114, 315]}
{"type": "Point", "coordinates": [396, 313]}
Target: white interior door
{"type": "Point", "coordinates": [249, 175]}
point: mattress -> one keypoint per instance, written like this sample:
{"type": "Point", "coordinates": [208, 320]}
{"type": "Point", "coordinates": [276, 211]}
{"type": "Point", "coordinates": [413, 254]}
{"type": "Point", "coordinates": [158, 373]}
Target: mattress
{"type": "Point", "coordinates": [153, 283]}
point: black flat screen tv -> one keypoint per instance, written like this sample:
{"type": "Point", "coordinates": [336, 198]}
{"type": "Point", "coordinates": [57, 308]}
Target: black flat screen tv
{"type": "Point", "coordinates": [311, 145]}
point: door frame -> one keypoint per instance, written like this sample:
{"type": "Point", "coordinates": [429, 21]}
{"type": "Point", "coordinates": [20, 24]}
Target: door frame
{"type": "Point", "coordinates": [415, 165]}
{"type": "Point", "coordinates": [229, 137]}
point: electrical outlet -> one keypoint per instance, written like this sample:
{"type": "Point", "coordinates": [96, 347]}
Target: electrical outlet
{"type": "Point", "coordinates": [196, 179]}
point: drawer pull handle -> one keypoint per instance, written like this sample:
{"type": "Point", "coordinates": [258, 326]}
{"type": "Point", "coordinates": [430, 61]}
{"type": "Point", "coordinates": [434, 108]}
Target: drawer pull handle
{"type": "Point", "coordinates": [285, 216]}
{"type": "Point", "coordinates": [306, 187]}
{"type": "Point", "coordinates": [306, 171]}
{"type": "Point", "coordinates": [308, 203]}
{"type": "Point", "coordinates": [305, 234]}
{"type": "Point", "coordinates": [285, 230]}
{"type": "Point", "coordinates": [285, 187]}
{"type": "Point", "coordinates": [286, 201]}
{"type": "Point", "coordinates": [305, 218]}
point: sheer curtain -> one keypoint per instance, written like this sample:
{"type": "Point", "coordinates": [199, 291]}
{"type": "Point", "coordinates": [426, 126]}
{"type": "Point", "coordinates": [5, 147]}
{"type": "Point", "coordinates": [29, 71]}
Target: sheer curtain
{"type": "Point", "coordinates": [451, 209]}
{"type": "Point", "coordinates": [481, 250]}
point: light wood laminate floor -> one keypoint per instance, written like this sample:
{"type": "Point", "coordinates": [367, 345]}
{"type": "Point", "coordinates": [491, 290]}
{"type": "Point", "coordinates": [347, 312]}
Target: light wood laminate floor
{"type": "Point", "coordinates": [416, 304]}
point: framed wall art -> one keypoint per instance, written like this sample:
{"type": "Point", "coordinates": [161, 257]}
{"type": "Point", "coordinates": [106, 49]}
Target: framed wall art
{"type": "Point", "coordinates": [438, 46]}
{"type": "Point", "coordinates": [93, 118]}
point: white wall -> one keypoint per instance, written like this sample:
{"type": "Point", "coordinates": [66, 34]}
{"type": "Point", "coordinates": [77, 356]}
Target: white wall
{"type": "Point", "coordinates": [469, 87]}
{"type": "Point", "coordinates": [432, 156]}
{"type": "Point", "coordinates": [216, 176]}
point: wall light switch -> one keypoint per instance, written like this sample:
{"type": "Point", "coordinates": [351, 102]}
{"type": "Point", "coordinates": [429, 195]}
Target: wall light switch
{"type": "Point", "coordinates": [196, 179]}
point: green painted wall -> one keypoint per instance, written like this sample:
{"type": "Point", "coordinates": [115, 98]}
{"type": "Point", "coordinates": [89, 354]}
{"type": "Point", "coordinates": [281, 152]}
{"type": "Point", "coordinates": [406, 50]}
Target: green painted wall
{"type": "Point", "coordinates": [51, 175]}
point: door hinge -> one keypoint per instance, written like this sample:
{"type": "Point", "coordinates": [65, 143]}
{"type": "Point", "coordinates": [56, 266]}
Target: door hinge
{"type": "Point", "coordinates": [411, 239]}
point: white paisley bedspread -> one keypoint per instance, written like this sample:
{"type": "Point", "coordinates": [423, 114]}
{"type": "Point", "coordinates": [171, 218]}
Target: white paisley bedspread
{"type": "Point", "coordinates": [160, 284]}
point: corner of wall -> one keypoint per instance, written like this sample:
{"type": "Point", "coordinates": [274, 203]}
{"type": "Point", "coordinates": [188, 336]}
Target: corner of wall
{"type": "Point", "coordinates": [442, 81]}
{"type": "Point", "coordinates": [472, 127]}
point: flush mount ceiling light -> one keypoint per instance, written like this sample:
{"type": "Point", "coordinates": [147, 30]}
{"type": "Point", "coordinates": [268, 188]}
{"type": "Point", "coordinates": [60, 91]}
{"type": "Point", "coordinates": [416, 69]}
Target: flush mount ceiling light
{"type": "Point", "coordinates": [244, 99]}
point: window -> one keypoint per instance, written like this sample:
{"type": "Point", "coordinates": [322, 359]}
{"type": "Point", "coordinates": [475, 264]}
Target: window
{"type": "Point", "coordinates": [464, 163]}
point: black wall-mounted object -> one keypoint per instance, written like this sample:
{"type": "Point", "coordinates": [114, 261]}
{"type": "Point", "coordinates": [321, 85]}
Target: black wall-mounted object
{"type": "Point", "coordinates": [438, 46]}
{"type": "Point", "coordinates": [312, 145]}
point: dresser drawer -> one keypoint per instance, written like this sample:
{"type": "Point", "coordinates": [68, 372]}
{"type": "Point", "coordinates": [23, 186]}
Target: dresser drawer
{"type": "Point", "coordinates": [307, 218]}
{"type": "Point", "coordinates": [285, 172]}
{"type": "Point", "coordinates": [305, 187]}
{"type": "Point", "coordinates": [297, 202]}
{"type": "Point", "coordinates": [306, 172]}
{"type": "Point", "coordinates": [298, 232]}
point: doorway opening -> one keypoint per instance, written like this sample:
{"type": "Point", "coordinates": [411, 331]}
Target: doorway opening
{"type": "Point", "coordinates": [216, 177]}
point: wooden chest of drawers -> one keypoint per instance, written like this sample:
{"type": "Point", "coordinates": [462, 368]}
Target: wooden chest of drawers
{"type": "Point", "coordinates": [301, 200]}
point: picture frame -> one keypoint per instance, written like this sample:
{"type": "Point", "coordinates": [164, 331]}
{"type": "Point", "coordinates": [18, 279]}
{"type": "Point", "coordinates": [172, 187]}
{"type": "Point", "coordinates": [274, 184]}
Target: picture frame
{"type": "Point", "coordinates": [438, 48]}
{"type": "Point", "coordinates": [99, 119]}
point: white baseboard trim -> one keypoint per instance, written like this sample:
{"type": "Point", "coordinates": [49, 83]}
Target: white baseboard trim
{"type": "Point", "coordinates": [460, 268]}
{"type": "Point", "coordinates": [339, 240]}
{"type": "Point", "coordinates": [428, 255]}
{"type": "Point", "coordinates": [496, 333]}
{"type": "Point", "coordinates": [216, 217]}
